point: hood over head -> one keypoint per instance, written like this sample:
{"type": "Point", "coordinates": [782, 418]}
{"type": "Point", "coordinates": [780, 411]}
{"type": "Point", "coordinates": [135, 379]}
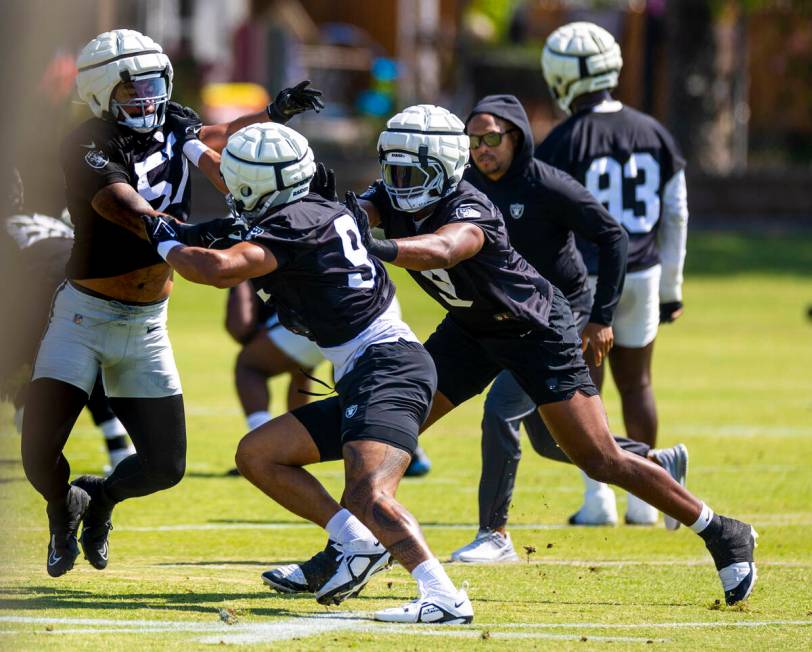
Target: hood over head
{"type": "Point", "coordinates": [508, 107]}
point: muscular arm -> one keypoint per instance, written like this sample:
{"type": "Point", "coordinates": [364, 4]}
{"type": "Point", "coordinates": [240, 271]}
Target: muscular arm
{"type": "Point", "coordinates": [209, 165]}
{"type": "Point", "coordinates": [216, 136]}
{"type": "Point", "coordinates": [122, 205]}
{"type": "Point", "coordinates": [222, 268]}
{"type": "Point", "coordinates": [447, 246]}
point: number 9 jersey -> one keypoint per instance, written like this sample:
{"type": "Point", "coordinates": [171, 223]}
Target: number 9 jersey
{"type": "Point", "coordinates": [630, 163]}
{"type": "Point", "coordinates": [99, 153]}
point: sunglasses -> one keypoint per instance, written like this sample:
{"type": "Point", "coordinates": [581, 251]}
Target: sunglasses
{"type": "Point", "coordinates": [491, 139]}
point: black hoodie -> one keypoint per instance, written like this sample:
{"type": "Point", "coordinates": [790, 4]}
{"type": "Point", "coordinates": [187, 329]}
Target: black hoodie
{"type": "Point", "coordinates": [543, 206]}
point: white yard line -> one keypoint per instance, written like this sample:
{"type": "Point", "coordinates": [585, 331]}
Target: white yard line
{"type": "Point", "coordinates": [248, 633]}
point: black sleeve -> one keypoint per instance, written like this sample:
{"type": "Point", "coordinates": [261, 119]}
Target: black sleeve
{"type": "Point", "coordinates": [91, 166]}
{"type": "Point", "coordinates": [281, 250]}
{"type": "Point", "coordinates": [574, 207]}
{"type": "Point", "coordinates": [484, 215]}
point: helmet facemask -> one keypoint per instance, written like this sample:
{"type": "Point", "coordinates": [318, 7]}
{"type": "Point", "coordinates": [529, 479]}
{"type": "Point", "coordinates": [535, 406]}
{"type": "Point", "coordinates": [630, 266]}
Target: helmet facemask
{"type": "Point", "coordinates": [412, 182]}
{"type": "Point", "coordinates": [142, 92]}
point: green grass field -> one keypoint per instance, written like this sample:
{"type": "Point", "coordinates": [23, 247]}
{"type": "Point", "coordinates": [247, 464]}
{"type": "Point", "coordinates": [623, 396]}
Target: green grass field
{"type": "Point", "coordinates": [734, 382]}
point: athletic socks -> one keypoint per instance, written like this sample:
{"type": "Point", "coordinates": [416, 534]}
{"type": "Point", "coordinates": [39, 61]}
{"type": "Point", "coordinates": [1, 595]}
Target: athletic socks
{"type": "Point", "coordinates": [256, 419]}
{"type": "Point", "coordinates": [112, 429]}
{"type": "Point", "coordinates": [708, 525]}
{"type": "Point", "coordinates": [431, 577]}
{"type": "Point", "coordinates": [344, 527]}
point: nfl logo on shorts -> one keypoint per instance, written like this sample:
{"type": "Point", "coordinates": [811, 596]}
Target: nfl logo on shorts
{"type": "Point", "coordinates": [516, 211]}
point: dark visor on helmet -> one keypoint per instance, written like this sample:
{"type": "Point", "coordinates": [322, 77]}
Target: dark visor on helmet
{"type": "Point", "coordinates": [408, 176]}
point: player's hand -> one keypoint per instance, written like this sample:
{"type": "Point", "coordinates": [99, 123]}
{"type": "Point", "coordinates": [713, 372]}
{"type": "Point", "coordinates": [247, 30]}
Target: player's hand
{"type": "Point", "coordinates": [221, 233]}
{"type": "Point", "coordinates": [600, 337]}
{"type": "Point", "coordinates": [360, 216]}
{"type": "Point", "coordinates": [183, 121]}
{"type": "Point", "coordinates": [292, 101]}
{"type": "Point", "coordinates": [160, 229]}
{"type": "Point", "coordinates": [670, 311]}
{"type": "Point", "coordinates": [324, 182]}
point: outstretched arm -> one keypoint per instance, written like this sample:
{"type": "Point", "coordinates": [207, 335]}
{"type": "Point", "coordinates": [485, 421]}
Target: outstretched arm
{"type": "Point", "coordinates": [220, 268]}
{"type": "Point", "coordinates": [122, 205]}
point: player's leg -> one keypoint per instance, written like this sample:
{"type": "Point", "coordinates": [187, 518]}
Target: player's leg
{"type": "Point", "coordinates": [63, 376]}
{"type": "Point", "coordinates": [115, 435]}
{"type": "Point", "coordinates": [572, 410]}
{"type": "Point", "coordinates": [630, 359]}
{"type": "Point", "coordinates": [505, 406]}
{"type": "Point", "coordinates": [142, 383]}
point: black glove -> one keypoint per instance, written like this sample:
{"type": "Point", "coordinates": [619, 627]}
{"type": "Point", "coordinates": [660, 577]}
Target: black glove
{"type": "Point", "coordinates": [386, 250]}
{"type": "Point", "coordinates": [182, 121]}
{"type": "Point", "coordinates": [324, 182]}
{"type": "Point", "coordinates": [160, 229]}
{"type": "Point", "coordinates": [667, 311]}
{"type": "Point", "coordinates": [221, 233]}
{"type": "Point", "coordinates": [291, 101]}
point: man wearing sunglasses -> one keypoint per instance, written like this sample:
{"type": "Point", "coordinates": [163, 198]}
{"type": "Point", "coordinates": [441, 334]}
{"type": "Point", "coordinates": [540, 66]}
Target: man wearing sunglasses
{"type": "Point", "coordinates": [544, 208]}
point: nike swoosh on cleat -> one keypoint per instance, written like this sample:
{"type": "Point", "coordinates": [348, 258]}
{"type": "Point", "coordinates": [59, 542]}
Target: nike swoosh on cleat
{"type": "Point", "coordinates": [53, 559]}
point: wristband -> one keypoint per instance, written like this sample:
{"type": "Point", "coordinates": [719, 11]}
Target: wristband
{"type": "Point", "coordinates": [194, 149]}
{"type": "Point", "coordinates": [385, 250]}
{"type": "Point", "coordinates": [166, 246]}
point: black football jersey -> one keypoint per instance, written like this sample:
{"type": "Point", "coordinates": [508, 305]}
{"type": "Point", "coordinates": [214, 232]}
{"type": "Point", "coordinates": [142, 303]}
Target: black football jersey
{"type": "Point", "coordinates": [495, 291]}
{"type": "Point", "coordinates": [624, 158]}
{"type": "Point", "coordinates": [99, 153]}
{"type": "Point", "coordinates": [326, 286]}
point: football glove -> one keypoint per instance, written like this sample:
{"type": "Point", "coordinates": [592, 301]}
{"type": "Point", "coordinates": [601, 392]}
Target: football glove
{"type": "Point", "coordinates": [183, 121]}
{"type": "Point", "coordinates": [324, 182]}
{"type": "Point", "coordinates": [386, 250]}
{"type": "Point", "coordinates": [291, 101]}
{"type": "Point", "coordinates": [670, 311]}
{"type": "Point", "coordinates": [221, 233]}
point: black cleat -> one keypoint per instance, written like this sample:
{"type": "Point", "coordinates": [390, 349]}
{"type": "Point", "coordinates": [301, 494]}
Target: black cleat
{"type": "Point", "coordinates": [63, 523]}
{"type": "Point", "coordinates": [732, 552]}
{"type": "Point", "coordinates": [307, 577]}
{"type": "Point", "coordinates": [97, 522]}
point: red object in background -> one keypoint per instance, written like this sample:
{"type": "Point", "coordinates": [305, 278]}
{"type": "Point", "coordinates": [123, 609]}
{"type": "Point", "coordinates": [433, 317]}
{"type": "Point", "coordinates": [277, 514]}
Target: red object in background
{"type": "Point", "coordinates": [57, 82]}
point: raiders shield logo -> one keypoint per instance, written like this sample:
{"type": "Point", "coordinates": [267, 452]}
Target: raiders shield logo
{"type": "Point", "coordinates": [516, 211]}
{"type": "Point", "coordinates": [96, 159]}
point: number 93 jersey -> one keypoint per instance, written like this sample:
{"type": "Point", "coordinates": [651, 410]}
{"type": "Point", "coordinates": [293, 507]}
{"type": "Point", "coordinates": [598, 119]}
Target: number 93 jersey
{"type": "Point", "coordinates": [326, 286]}
{"type": "Point", "coordinates": [99, 153]}
{"type": "Point", "coordinates": [624, 158]}
{"type": "Point", "coordinates": [496, 291]}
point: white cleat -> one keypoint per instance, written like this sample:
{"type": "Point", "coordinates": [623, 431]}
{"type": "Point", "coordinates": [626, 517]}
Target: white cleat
{"type": "Point", "coordinates": [432, 608]}
{"type": "Point", "coordinates": [598, 509]}
{"type": "Point", "coordinates": [359, 560]}
{"type": "Point", "coordinates": [675, 461]}
{"type": "Point", "coordinates": [639, 512]}
{"type": "Point", "coordinates": [489, 546]}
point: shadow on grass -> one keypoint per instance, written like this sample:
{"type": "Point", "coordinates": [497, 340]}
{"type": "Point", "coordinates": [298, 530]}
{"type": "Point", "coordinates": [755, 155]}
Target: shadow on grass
{"type": "Point", "coordinates": [48, 598]}
{"type": "Point", "coordinates": [714, 253]}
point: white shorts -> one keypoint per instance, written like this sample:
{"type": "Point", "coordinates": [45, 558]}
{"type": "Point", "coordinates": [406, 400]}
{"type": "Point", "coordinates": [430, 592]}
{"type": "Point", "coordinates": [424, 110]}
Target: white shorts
{"type": "Point", "coordinates": [298, 347]}
{"type": "Point", "coordinates": [128, 342]}
{"type": "Point", "coordinates": [638, 312]}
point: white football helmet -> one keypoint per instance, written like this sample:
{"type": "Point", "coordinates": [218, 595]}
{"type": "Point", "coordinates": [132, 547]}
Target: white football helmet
{"type": "Point", "coordinates": [127, 56]}
{"type": "Point", "coordinates": [423, 153]}
{"type": "Point", "coordinates": [266, 165]}
{"type": "Point", "coordinates": [580, 58]}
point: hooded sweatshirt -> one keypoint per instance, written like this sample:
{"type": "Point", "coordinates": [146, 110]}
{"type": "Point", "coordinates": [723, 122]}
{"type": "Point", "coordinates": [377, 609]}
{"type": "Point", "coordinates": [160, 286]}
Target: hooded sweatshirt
{"type": "Point", "coordinates": [544, 208]}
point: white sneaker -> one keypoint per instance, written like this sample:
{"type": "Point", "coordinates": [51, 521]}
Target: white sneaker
{"type": "Point", "coordinates": [639, 512]}
{"type": "Point", "coordinates": [359, 560]}
{"type": "Point", "coordinates": [489, 546]}
{"type": "Point", "coordinates": [675, 461]}
{"type": "Point", "coordinates": [432, 607]}
{"type": "Point", "coordinates": [598, 509]}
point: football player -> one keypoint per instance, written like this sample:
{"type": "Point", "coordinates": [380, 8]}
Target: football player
{"type": "Point", "coordinates": [129, 160]}
{"type": "Point", "coordinates": [544, 207]}
{"type": "Point", "coordinates": [40, 247]}
{"type": "Point", "coordinates": [502, 314]}
{"type": "Point", "coordinates": [631, 164]}
{"type": "Point", "coordinates": [306, 252]}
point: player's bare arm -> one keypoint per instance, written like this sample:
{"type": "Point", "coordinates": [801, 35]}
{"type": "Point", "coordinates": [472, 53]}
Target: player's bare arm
{"type": "Point", "coordinates": [447, 246]}
{"type": "Point", "coordinates": [224, 268]}
{"type": "Point", "coordinates": [121, 204]}
{"type": "Point", "coordinates": [288, 103]}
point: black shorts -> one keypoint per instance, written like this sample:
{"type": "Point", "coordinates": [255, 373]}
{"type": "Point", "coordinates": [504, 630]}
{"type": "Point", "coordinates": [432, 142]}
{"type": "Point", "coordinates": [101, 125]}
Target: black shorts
{"type": "Point", "coordinates": [385, 397]}
{"type": "Point", "coordinates": [546, 362]}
